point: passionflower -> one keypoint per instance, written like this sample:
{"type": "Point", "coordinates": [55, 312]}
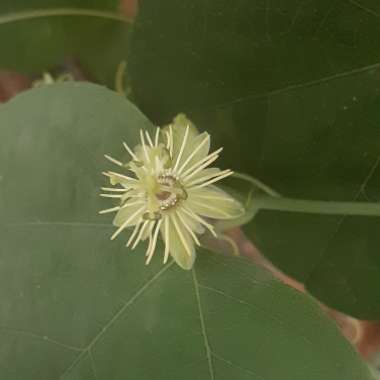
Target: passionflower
{"type": "Point", "coordinates": [168, 189]}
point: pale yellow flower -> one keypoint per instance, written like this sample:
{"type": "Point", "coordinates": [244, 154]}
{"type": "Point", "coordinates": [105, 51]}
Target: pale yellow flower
{"type": "Point", "coordinates": [170, 191]}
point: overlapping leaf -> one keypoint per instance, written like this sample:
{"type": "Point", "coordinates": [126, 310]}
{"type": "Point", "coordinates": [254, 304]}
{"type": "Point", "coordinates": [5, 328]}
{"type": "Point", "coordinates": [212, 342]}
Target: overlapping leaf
{"type": "Point", "coordinates": [291, 90]}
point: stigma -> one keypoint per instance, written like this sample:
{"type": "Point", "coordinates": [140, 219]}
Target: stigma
{"type": "Point", "coordinates": [171, 192]}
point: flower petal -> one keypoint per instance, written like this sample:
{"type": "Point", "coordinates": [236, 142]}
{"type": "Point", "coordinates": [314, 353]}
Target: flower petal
{"type": "Point", "coordinates": [204, 173]}
{"type": "Point", "coordinates": [147, 231]}
{"type": "Point", "coordinates": [196, 149]}
{"type": "Point", "coordinates": [213, 202]}
{"type": "Point", "coordinates": [126, 211]}
{"type": "Point", "coordinates": [194, 140]}
{"type": "Point", "coordinates": [181, 246]}
{"type": "Point", "coordinates": [193, 224]}
{"type": "Point", "coordinates": [127, 183]}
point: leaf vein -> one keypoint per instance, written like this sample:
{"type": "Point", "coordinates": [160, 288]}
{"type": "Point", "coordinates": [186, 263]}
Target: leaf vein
{"type": "Point", "coordinates": [116, 316]}
{"type": "Point", "coordinates": [364, 8]}
{"type": "Point", "coordinates": [298, 86]}
{"type": "Point", "coordinates": [93, 367]}
{"type": "Point", "coordinates": [60, 223]}
{"type": "Point", "coordinates": [269, 315]}
{"type": "Point", "coordinates": [232, 364]}
{"type": "Point", "coordinates": [360, 191]}
{"type": "Point", "coordinates": [203, 327]}
{"type": "Point", "coordinates": [41, 337]}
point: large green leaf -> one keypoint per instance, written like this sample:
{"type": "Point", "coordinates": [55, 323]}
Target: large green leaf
{"type": "Point", "coordinates": [291, 90]}
{"type": "Point", "coordinates": [42, 35]}
{"type": "Point", "coordinates": [77, 306]}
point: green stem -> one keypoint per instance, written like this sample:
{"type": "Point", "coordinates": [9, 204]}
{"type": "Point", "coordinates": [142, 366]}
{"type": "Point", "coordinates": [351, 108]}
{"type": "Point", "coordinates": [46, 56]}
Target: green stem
{"type": "Point", "coordinates": [256, 183]}
{"type": "Point", "coordinates": [119, 78]}
{"type": "Point", "coordinates": [40, 13]}
{"type": "Point", "coordinates": [317, 207]}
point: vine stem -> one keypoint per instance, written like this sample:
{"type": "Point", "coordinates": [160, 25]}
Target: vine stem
{"type": "Point", "coordinates": [317, 207]}
{"type": "Point", "coordinates": [40, 13]}
{"type": "Point", "coordinates": [256, 183]}
{"type": "Point", "coordinates": [274, 201]}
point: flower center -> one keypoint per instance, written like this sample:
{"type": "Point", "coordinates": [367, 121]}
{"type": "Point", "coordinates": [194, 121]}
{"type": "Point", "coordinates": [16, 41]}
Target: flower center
{"type": "Point", "coordinates": [170, 193]}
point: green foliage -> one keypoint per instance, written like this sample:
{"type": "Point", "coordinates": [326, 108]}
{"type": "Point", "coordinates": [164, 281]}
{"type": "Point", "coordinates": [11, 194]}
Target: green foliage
{"type": "Point", "coordinates": [291, 89]}
{"type": "Point", "coordinates": [46, 35]}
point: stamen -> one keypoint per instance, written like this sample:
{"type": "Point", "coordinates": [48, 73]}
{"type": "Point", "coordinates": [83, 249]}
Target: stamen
{"type": "Point", "coordinates": [122, 176]}
{"type": "Point", "coordinates": [131, 204]}
{"type": "Point", "coordinates": [124, 225]}
{"type": "Point", "coordinates": [166, 255]}
{"type": "Point", "coordinates": [144, 146]}
{"type": "Point", "coordinates": [154, 242]}
{"type": "Point", "coordinates": [182, 148]}
{"type": "Point", "coordinates": [115, 189]}
{"type": "Point", "coordinates": [151, 227]}
{"type": "Point", "coordinates": [111, 195]}
{"type": "Point", "coordinates": [171, 141]}
{"type": "Point", "coordinates": [206, 177]}
{"type": "Point", "coordinates": [114, 161]}
{"type": "Point", "coordinates": [135, 230]}
{"type": "Point", "coordinates": [198, 166]}
{"type": "Point", "coordinates": [181, 237]}
{"type": "Point", "coordinates": [157, 137]}
{"type": "Point", "coordinates": [136, 196]}
{"type": "Point", "coordinates": [109, 210]}
{"type": "Point", "coordinates": [149, 139]}
{"type": "Point", "coordinates": [193, 153]}
{"type": "Point", "coordinates": [140, 234]}
{"type": "Point", "coordinates": [129, 150]}
{"type": "Point", "coordinates": [227, 173]}
{"type": "Point", "coordinates": [167, 134]}
{"type": "Point", "coordinates": [188, 228]}
{"type": "Point", "coordinates": [200, 220]}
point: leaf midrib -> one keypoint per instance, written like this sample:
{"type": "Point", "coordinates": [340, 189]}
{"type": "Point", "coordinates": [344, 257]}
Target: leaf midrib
{"type": "Point", "coordinates": [203, 326]}
{"type": "Point", "coordinates": [60, 224]}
